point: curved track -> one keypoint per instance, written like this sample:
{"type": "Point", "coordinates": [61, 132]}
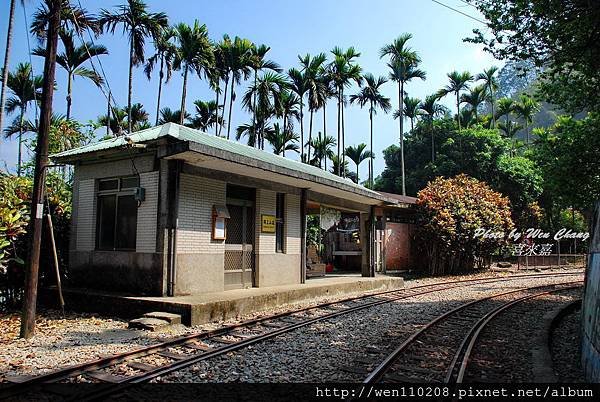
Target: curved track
{"type": "Point", "coordinates": [188, 350]}
{"type": "Point", "coordinates": [440, 350]}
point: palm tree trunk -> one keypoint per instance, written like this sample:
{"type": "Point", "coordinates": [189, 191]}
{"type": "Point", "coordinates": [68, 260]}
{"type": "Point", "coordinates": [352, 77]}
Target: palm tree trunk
{"type": "Point", "coordinates": [492, 105]}
{"type": "Point", "coordinates": [224, 101]}
{"type": "Point", "coordinates": [325, 130]}
{"type": "Point", "coordinates": [217, 90]}
{"type": "Point", "coordinates": [339, 132]}
{"type": "Point", "coordinates": [342, 169]}
{"type": "Point", "coordinates": [302, 128]}
{"type": "Point", "coordinates": [130, 90]}
{"type": "Point", "coordinates": [370, 157]}
{"type": "Point", "coordinates": [183, 94]}
{"type": "Point", "coordinates": [230, 108]}
{"type": "Point", "coordinates": [21, 119]}
{"type": "Point", "coordinates": [310, 124]}
{"type": "Point", "coordinates": [458, 109]}
{"type": "Point", "coordinates": [254, 103]}
{"type": "Point", "coordinates": [11, 20]}
{"type": "Point", "coordinates": [160, 81]}
{"type": "Point", "coordinates": [432, 142]}
{"type": "Point", "coordinates": [401, 117]}
{"type": "Point", "coordinates": [69, 93]}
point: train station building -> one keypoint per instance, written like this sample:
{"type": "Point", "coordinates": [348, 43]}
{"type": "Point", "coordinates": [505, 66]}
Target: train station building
{"type": "Point", "coordinates": [172, 211]}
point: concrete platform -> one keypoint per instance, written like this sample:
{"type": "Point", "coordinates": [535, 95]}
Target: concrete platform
{"type": "Point", "coordinates": [199, 309]}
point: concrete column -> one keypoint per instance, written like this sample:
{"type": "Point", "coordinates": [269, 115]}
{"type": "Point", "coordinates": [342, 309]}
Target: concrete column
{"type": "Point", "coordinates": [365, 244]}
{"type": "Point", "coordinates": [303, 236]}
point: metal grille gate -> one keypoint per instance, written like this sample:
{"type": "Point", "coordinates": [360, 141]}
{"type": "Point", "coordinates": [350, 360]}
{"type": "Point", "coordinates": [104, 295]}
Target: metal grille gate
{"type": "Point", "coordinates": [239, 245]}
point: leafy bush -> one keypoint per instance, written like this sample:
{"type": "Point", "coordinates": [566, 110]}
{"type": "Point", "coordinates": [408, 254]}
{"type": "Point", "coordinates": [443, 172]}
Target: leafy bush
{"type": "Point", "coordinates": [15, 198]}
{"type": "Point", "coordinates": [451, 210]}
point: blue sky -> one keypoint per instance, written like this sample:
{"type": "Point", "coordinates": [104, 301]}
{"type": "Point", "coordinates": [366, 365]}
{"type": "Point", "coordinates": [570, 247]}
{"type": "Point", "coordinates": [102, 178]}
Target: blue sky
{"type": "Point", "coordinates": [289, 28]}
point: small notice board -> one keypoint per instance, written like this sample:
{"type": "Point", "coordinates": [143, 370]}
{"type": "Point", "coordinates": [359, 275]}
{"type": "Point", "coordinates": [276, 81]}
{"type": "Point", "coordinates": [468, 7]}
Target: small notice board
{"type": "Point", "coordinates": [267, 223]}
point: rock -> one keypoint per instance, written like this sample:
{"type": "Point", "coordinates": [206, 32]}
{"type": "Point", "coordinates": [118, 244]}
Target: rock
{"type": "Point", "coordinates": [161, 315]}
{"type": "Point", "coordinates": [504, 264]}
{"type": "Point", "coordinates": [151, 324]}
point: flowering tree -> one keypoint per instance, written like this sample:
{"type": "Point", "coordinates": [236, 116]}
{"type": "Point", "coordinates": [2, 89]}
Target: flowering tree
{"type": "Point", "coordinates": [451, 211]}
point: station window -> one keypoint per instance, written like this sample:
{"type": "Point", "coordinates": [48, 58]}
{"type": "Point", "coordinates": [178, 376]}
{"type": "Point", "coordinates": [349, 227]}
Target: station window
{"type": "Point", "coordinates": [116, 222]}
{"type": "Point", "coordinates": [280, 223]}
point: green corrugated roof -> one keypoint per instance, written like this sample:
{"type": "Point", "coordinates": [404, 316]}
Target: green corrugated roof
{"type": "Point", "coordinates": [188, 134]}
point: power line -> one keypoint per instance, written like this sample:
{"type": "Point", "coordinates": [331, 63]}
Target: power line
{"type": "Point", "coordinates": [460, 12]}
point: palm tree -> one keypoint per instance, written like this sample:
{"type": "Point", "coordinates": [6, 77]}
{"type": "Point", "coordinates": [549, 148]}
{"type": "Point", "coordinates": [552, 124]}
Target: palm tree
{"type": "Point", "coordinates": [357, 155]}
{"type": "Point", "coordinates": [343, 72]}
{"type": "Point", "coordinates": [298, 86]}
{"type": "Point", "coordinates": [505, 107]}
{"type": "Point", "coordinates": [71, 60]}
{"type": "Point", "coordinates": [25, 89]}
{"type": "Point", "coordinates": [338, 166]}
{"type": "Point", "coordinates": [317, 89]}
{"type": "Point", "coordinates": [323, 149]}
{"type": "Point", "coordinates": [266, 92]}
{"type": "Point", "coordinates": [404, 67]}
{"type": "Point", "coordinates": [491, 84]}
{"type": "Point", "coordinates": [220, 72]}
{"type": "Point", "coordinates": [475, 98]}
{"type": "Point", "coordinates": [370, 93]}
{"type": "Point", "coordinates": [193, 52]}
{"type": "Point", "coordinates": [171, 116]}
{"type": "Point", "coordinates": [287, 107]}
{"type": "Point", "coordinates": [257, 62]}
{"type": "Point", "coordinates": [206, 115]}
{"type": "Point", "coordinates": [282, 140]}
{"type": "Point", "coordinates": [4, 78]}
{"type": "Point", "coordinates": [139, 25]}
{"type": "Point", "coordinates": [458, 82]}
{"type": "Point", "coordinates": [411, 110]}
{"type": "Point", "coordinates": [120, 118]}
{"type": "Point", "coordinates": [526, 108]}
{"type": "Point", "coordinates": [163, 56]}
{"type": "Point", "coordinates": [430, 109]}
{"type": "Point", "coordinates": [239, 59]}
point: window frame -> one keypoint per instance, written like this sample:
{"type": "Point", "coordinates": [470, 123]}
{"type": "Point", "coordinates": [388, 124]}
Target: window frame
{"type": "Point", "coordinates": [280, 212]}
{"type": "Point", "coordinates": [119, 192]}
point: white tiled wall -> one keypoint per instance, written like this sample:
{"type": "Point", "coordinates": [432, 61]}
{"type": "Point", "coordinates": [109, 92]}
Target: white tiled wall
{"type": "Point", "coordinates": [147, 214]}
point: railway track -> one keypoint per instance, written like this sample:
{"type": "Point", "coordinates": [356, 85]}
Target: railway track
{"type": "Point", "coordinates": [440, 350]}
{"type": "Point", "coordinates": [188, 350]}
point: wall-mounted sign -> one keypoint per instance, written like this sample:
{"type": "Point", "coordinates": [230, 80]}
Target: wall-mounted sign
{"type": "Point", "coordinates": [267, 223]}
{"type": "Point", "coordinates": [220, 216]}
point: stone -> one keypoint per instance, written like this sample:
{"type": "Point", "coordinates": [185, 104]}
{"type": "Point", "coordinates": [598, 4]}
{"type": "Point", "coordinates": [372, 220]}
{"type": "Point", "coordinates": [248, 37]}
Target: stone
{"type": "Point", "coordinates": [504, 264]}
{"type": "Point", "coordinates": [161, 315]}
{"type": "Point", "coordinates": [150, 324]}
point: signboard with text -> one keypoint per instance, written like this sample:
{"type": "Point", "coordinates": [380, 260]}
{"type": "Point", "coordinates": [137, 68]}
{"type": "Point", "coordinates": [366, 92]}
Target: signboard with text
{"type": "Point", "coordinates": [267, 223]}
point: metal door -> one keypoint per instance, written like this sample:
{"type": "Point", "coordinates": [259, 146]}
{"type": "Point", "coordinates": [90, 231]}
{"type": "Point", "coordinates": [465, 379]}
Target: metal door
{"type": "Point", "coordinates": [239, 245]}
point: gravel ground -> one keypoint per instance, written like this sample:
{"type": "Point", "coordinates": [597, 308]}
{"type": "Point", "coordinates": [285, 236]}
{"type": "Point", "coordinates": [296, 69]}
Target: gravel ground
{"type": "Point", "coordinates": [504, 352]}
{"type": "Point", "coordinates": [78, 338]}
{"type": "Point", "coordinates": [566, 354]}
{"type": "Point", "coordinates": [343, 349]}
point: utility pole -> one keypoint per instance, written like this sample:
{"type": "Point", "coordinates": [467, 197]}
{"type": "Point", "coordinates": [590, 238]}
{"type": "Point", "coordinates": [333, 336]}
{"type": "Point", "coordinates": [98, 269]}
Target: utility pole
{"type": "Point", "coordinates": [41, 160]}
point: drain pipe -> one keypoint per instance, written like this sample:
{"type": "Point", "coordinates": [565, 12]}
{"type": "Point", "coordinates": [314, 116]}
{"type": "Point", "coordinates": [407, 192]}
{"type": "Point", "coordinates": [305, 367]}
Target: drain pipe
{"type": "Point", "coordinates": [174, 229]}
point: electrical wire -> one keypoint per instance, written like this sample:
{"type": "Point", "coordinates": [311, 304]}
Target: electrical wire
{"type": "Point", "coordinates": [460, 12]}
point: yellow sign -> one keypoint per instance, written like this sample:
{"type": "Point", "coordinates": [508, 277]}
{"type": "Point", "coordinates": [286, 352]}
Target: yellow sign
{"type": "Point", "coordinates": [267, 223]}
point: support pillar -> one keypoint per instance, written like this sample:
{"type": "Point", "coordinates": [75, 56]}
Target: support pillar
{"type": "Point", "coordinates": [303, 236]}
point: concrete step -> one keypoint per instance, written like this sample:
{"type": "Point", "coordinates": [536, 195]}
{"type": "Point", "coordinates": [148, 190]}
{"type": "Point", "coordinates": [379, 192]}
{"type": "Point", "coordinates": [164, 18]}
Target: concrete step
{"type": "Point", "coordinates": [150, 324]}
{"type": "Point", "coordinates": [161, 315]}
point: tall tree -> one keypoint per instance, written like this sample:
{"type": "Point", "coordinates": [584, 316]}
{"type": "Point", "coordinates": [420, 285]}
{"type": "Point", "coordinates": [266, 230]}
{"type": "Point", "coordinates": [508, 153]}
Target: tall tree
{"type": "Point", "coordinates": [239, 62]}
{"type": "Point", "coordinates": [25, 90]}
{"type": "Point", "coordinates": [282, 140]}
{"type": "Point", "coordinates": [411, 110]}
{"type": "Point", "coordinates": [526, 108]}
{"type": "Point", "coordinates": [257, 62]}
{"type": "Point", "coordinates": [370, 94]}
{"type": "Point", "coordinates": [358, 154]}
{"type": "Point", "coordinates": [194, 53]}
{"type": "Point", "coordinates": [475, 98]}
{"type": "Point", "coordinates": [163, 56]}
{"type": "Point", "coordinates": [72, 59]}
{"type": "Point", "coordinates": [266, 92]}
{"type": "Point", "coordinates": [404, 68]}
{"type": "Point", "coordinates": [287, 106]}
{"type": "Point", "coordinates": [313, 68]}
{"type": "Point", "coordinates": [323, 150]}
{"type": "Point", "coordinates": [458, 82]}
{"type": "Point", "coordinates": [9, 33]}
{"type": "Point", "coordinates": [298, 85]}
{"type": "Point", "coordinates": [206, 115]}
{"type": "Point", "coordinates": [139, 24]}
{"type": "Point", "coordinates": [171, 116]}
{"type": "Point", "coordinates": [343, 72]}
{"type": "Point", "coordinates": [430, 109]}
{"type": "Point", "coordinates": [506, 106]}
{"type": "Point", "coordinates": [488, 76]}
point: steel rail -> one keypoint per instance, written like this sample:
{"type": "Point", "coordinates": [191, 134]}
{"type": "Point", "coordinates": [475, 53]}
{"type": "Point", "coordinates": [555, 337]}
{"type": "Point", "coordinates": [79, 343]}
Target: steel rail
{"type": "Point", "coordinates": [377, 374]}
{"type": "Point", "coordinates": [83, 368]}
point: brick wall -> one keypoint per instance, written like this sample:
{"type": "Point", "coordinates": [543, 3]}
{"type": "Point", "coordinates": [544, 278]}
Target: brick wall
{"type": "Point", "coordinates": [196, 199]}
{"type": "Point", "coordinates": [293, 224]}
{"type": "Point", "coordinates": [265, 205]}
{"type": "Point", "coordinates": [86, 215]}
{"type": "Point", "coordinates": [147, 214]}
